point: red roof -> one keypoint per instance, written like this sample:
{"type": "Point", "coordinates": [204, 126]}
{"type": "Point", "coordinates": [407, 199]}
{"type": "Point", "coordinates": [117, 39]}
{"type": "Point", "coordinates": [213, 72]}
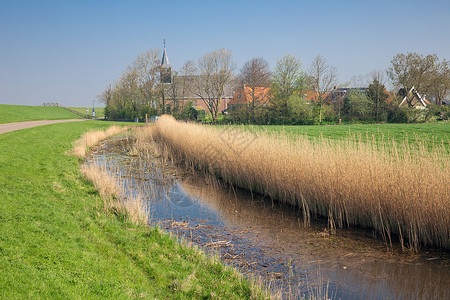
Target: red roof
{"type": "Point", "coordinates": [244, 96]}
{"type": "Point", "coordinates": [310, 95]}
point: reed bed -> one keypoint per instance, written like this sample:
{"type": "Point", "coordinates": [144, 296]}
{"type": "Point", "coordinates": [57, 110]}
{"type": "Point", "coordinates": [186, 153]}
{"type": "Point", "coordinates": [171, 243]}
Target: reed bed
{"type": "Point", "coordinates": [398, 190]}
{"type": "Point", "coordinates": [113, 194]}
{"type": "Point", "coordinates": [110, 188]}
{"type": "Point", "coordinates": [92, 138]}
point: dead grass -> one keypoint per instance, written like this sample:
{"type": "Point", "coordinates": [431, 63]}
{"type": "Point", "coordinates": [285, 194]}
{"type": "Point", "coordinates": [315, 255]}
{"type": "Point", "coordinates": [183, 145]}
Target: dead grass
{"type": "Point", "coordinates": [92, 138]}
{"type": "Point", "coordinates": [400, 189]}
{"type": "Point", "coordinates": [109, 188]}
{"type": "Point", "coordinates": [114, 198]}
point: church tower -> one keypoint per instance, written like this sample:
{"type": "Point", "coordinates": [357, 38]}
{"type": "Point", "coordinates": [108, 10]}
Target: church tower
{"type": "Point", "coordinates": [166, 70]}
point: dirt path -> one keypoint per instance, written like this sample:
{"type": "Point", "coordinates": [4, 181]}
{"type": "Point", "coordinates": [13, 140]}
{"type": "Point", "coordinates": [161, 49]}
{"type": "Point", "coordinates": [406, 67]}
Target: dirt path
{"type": "Point", "coordinates": [22, 125]}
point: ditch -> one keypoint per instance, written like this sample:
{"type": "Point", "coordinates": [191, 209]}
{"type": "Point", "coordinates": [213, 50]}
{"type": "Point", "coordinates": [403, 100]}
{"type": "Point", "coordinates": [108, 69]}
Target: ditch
{"type": "Point", "coordinates": [267, 240]}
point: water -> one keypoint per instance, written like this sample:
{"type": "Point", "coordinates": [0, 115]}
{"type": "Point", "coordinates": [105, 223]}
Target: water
{"type": "Point", "coordinates": [268, 240]}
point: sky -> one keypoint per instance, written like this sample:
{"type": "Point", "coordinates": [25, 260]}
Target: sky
{"type": "Point", "coordinates": [70, 51]}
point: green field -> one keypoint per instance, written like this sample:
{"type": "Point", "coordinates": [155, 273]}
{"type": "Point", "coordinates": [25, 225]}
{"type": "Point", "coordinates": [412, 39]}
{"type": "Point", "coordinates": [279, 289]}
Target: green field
{"type": "Point", "coordinates": [429, 132]}
{"type": "Point", "coordinates": [56, 241]}
{"type": "Point", "coordinates": [99, 111]}
{"type": "Point", "coordinates": [21, 113]}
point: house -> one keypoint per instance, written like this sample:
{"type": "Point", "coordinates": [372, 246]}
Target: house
{"type": "Point", "coordinates": [244, 97]}
{"type": "Point", "coordinates": [413, 99]}
{"type": "Point", "coordinates": [183, 90]}
{"type": "Point", "coordinates": [310, 95]}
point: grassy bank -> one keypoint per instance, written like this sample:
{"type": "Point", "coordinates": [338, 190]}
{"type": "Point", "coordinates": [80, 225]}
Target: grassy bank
{"type": "Point", "coordinates": [57, 242]}
{"type": "Point", "coordinates": [398, 190]}
{"type": "Point", "coordinates": [21, 113]}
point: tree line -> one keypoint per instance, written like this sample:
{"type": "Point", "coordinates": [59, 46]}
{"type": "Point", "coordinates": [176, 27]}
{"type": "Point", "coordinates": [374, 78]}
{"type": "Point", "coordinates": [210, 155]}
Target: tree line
{"type": "Point", "coordinates": [297, 95]}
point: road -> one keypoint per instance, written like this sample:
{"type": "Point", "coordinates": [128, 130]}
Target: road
{"type": "Point", "coordinates": [22, 125]}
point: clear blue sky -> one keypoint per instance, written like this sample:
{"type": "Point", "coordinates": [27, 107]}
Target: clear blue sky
{"type": "Point", "coordinates": [69, 51]}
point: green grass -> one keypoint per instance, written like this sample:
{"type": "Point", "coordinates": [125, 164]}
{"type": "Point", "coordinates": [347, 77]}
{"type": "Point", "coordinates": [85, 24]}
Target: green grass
{"type": "Point", "coordinates": [56, 241]}
{"type": "Point", "coordinates": [99, 111]}
{"type": "Point", "coordinates": [430, 132]}
{"type": "Point", "coordinates": [21, 113]}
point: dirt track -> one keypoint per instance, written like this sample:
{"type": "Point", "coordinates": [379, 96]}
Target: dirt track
{"type": "Point", "coordinates": [22, 125]}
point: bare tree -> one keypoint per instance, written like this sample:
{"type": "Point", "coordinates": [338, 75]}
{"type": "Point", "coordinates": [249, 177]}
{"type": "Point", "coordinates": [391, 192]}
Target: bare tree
{"type": "Point", "coordinates": [255, 73]}
{"type": "Point", "coordinates": [181, 85]}
{"type": "Point", "coordinates": [288, 78]}
{"type": "Point", "coordinates": [136, 92]}
{"type": "Point", "coordinates": [412, 69]}
{"type": "Point", "coordinates": [427, 74]}
{"type": "Point", "coordinates": [216, 70]}
{"type": "Point", "coordinates": [440, 83]}
{"type": "Point", "coordinates": [146, 67]}
{"type": "Point", "coordinates": [322, 79]}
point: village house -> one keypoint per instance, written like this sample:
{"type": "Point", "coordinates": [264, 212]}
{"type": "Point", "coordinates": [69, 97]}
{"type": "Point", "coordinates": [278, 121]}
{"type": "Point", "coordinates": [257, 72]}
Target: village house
{"type": "Point", "coordinates": [413, 99]}
{"type": "Point", "coordinates": [244, 98]}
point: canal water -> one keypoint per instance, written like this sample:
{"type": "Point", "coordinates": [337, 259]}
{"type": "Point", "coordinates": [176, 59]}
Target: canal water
{"type": "Point", "coordinates": [269, 241]}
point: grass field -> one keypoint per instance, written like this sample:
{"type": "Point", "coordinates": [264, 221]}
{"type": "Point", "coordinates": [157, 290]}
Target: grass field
{"type": "Point", "coordinates": [57, 242]}
{"type": "Point", "coordinates": [400, 132]}
{"type": "Point", "coordinates": [99, 111]}
{"type": "Point", "coordinates": [21, 113]}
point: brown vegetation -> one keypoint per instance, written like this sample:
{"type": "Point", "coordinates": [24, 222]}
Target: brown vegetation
{"type": "Point", "coordinates": [110, 189]}
{"type": "Point", "coordinates": [92, 138]}
{"type": "Point", "coordinates": [400, 189]}
{"type": "Point", "coordinates": [113, 196]}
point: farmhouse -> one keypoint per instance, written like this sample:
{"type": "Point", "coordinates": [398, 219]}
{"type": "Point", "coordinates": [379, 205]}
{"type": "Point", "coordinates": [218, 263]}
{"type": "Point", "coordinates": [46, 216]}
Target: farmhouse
{"type": "Point", "coordinates": [247, 95]}
{"type": "Point", "coordinates": [413, 99]}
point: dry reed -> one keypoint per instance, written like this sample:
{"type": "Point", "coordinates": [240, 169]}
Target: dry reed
{"type": "Point", "coordinates": [399, 190]}
{"type": "Point", "coordinates": [92, 138]}
{"type": "Point", "coordinates": [110, 189]}
{"type": "Point", "coordinates": [112, 193]}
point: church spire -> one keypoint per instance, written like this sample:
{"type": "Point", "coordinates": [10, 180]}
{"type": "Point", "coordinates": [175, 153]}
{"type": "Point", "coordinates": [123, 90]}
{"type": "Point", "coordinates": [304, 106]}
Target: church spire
{"type": "Point", "coordinates": [165, 59]}
{"type": "Point", "coordinates": [166, 70]}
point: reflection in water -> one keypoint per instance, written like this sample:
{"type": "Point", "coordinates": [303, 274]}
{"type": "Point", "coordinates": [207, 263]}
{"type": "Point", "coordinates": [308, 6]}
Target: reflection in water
{"type": "Point", "coordinates": [268, 239]}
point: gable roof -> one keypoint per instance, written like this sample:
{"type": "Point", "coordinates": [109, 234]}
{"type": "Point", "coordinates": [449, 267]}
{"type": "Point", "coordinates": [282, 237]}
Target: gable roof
{"type": "Point", "coordinates": [244, 96]}
{"type": "Point", "coordinates": [413, 99]}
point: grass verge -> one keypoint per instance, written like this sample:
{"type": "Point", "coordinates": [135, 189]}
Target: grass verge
{"type": "Point", "coordinates": [22, 113]}
{"type": "Point", "coordinates": [57, 242]}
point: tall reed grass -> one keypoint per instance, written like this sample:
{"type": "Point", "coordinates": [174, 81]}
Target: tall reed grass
{"type": "Point", "coordinates": [114, 198]}
{"type": "Point", "coordinates": [110, 189]}
{"type": "Point", "coordinates": [401, 189]}
{"type": "Point", "coordinates": [92, 138]}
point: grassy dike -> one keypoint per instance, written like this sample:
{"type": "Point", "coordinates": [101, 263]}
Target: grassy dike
{"type": "Point", "coordinates": [57, 242]}
{"type": "Point", "coordinates": [22, 113]}
{"type": "Point", "coordinates": [99, 111]}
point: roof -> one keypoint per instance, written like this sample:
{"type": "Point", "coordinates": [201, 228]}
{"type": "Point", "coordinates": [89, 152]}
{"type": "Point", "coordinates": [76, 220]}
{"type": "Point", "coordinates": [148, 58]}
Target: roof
{"type": "Point", "coordinates": [310, 95]}
{"type": "Point", "coordinates": [198, 108]}
{"type": "Point", "coordinates": [165, 59]}
{"type": "Point", "coordinates": [413, 99]}
{"type": "Point", "coordinates": [244, 96]}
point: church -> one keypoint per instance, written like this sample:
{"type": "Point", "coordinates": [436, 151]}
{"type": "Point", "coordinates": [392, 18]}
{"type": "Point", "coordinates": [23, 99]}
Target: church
{"type": "Point", "coordinates": [180, 90]}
